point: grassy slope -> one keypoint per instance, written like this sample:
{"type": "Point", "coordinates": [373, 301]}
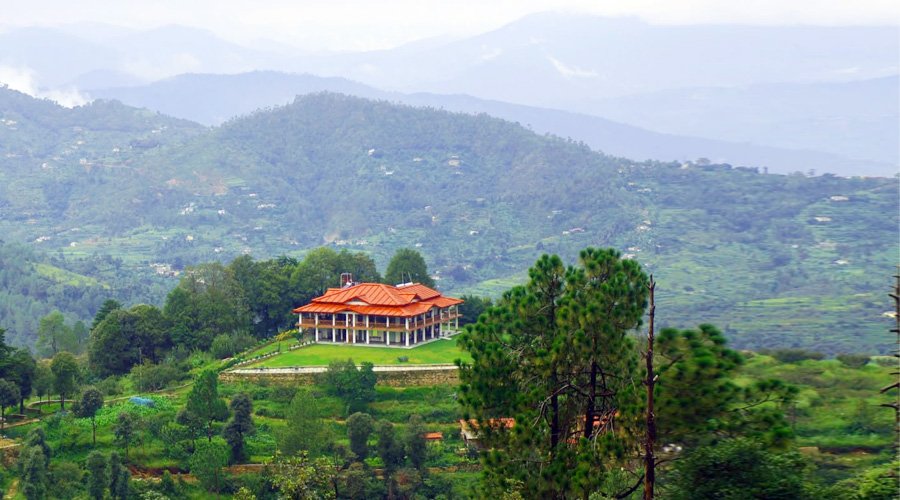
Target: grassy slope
{"type": "Point", "coordinates": [440, 351]}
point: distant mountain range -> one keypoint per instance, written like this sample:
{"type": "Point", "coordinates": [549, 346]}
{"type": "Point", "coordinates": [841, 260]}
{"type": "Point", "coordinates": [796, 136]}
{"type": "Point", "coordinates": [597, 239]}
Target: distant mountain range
{"type": "Point", "coordinates": [793, 98]}
{"type": "Point", "coordinates": [775, 260]}
{"type": "Point", "coordinates": [213, 99]}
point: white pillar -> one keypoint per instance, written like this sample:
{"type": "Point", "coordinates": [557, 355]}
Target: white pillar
{"type": "Point", "coordinates": [316, 316]}
{"type": "Point", "coordinates": [354, 328]}
{"type": "Point", "coordinates": [387, 337]}
{"type": "Point", "coordinates": [346, 329]}
{"type": "Point", "coordinates": [333, 329]}
{"type": "Point", "coordinates": [367, 328]}
{"type": "Point", "coordinates": [407, 332]}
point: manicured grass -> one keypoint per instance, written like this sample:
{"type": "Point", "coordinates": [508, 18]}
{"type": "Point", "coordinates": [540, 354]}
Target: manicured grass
{"type": "Point", "coordinates": [439, 351]}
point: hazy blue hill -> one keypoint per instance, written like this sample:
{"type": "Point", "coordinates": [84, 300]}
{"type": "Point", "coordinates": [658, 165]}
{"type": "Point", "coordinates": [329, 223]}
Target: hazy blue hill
{"type": "Point", "coordinates": [776, 260]}
{"type": "Point", "coordinates": [212, 99]}
{"type": "Point", "coordinates": [857, 119]}
{"type": "Point", "coordinates": [568, 59]}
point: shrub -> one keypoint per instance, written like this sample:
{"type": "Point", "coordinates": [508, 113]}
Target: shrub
{"type": "Point", "coordinates": [888, 361]}
{"type": "Point", "coordinates": [402, 359]}
{"type": "Point", "coordinates": [793, 355]}
{"type": "Point", "coordinates": [150, 377]}
{"type": "Point", "coordinates": [225, 346]}
{"type": "Point", "coordinates": [110, 386]}
{"type": "Point", "coordinates": [854, 360]}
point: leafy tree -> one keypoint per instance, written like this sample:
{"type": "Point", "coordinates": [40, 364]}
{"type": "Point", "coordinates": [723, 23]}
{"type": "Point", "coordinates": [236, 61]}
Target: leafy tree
{"type": "Point", "coordinates": [359, 428]}
{"type": "Point", "coordinates": [322, 268]}
{"type": "Point", "coordinates": [36, 437]}
{"type": "Point", "coordinates": [80, 335]}
{"type": "Point", "coordinates": [407, 265]}
{"type": "Point", "coordinates": [124, 338]}
{"type": "Point", "coordinates": [167, 485]}
{"type": "Point", "coordinates": [205, 403]}
{"type": "Point", "coordinates": [119, 477]}
{"type": "Point", "coordinates": [65, 371]}
{"type": "Point", "coordinates": [267, 286]}
{"type": "Point", "coordinates": [98, 475]}
{"type": "Point", "coordinates": [43, 379]}
{"type": "Point", "coordinates": [207, 462]}
{"type": "Point", "coordinates": [91, 401]}
{"type": "Point", "coordinates": [360, 483]}
{"type": "Point", "coordinates": [207, 301]}
{"type": "Point", "coordinates": [192, 424]}
{"type": "Point", "coordinates": [54, 335]}
{"type": "Point", "coordinates": [739, 468]}
{"type": "Point", "coordinates": [65, 481]}
{"type": "Point", "coordinates": [389, 449]}
{"type": "Point", "coordinates": [21, 369]}
{"type": "Point", "coordinates": [305, 430]}
{"type": "Point", "coordinates": [124, 430]}
{"type": "Point", "coordinates": [34, 473]}
{"type": "Point", "coordinates": [472, 307]}
{"type": "Point", "coordinates": [356, 387]}
{"type": "Point", "coordinates": [9, 396]}
{"type": "Point", "coordinates": [109, 305]}
{"type": "Point", "coordinates": [416, 448]}
{"type": "Point", "coordinates": [297, 477]}
{"type": "Point", "coordinates": [240, 425]}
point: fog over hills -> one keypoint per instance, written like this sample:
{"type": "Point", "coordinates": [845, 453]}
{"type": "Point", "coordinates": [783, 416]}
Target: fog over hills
{"type": "Point", "coordinates": [791, 98]}
{"type": "Point", "coordinates": [213, 99]}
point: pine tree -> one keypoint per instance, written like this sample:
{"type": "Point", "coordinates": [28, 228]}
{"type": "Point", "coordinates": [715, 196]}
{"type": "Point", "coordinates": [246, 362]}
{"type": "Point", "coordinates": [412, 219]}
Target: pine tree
{"type": "Point", "coordinates": [205, 403]}
{"type": "Point", "coordinates": [359, 428]}
{"type": "Point", "coordinates": [240, 425]}
{"type": "Point", "coordinates": [416, 447]}
{"type": "Point", "coordinates": [98, 475]}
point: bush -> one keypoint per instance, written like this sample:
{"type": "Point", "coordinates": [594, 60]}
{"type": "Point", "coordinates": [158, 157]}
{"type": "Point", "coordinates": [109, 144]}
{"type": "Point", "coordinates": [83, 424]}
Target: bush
{"type": "Point", "coordinates": [793, 355]}
{"type": "Point", "coordinates": [225, 346]}
{"type": "Point", "coordinates": [402, 359]}
{"type": "Point", "coordinates": [110, 386]}
{"type": "Point", "coordinates": [150, 377]}
{"type": "Point", "coordinates": [854, 360]}
{"type": "Point", "coordinates": [888, 361]}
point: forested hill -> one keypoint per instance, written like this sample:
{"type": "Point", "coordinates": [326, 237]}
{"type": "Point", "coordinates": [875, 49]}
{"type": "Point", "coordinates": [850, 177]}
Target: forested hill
{"type": "Point", "coordinates": [774, 260]}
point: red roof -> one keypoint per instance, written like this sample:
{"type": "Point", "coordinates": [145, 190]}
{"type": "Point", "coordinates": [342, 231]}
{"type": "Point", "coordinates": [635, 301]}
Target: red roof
{"type": "Point", "coordinates": [378, 299]}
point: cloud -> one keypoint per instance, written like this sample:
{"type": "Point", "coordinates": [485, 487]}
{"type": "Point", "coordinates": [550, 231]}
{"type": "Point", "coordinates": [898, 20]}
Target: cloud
{"type": "Point", "coordinates": [571, 71]}
{"type": "Point", "coordinates": [23, 79]}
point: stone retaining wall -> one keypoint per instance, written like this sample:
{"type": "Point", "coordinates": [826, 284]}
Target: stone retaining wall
{"type": "Point", "coordinates": [392, 376]}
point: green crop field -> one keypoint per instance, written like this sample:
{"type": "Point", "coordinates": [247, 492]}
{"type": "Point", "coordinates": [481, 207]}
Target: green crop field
{"type": "Point", "coordinates": [439, 351]}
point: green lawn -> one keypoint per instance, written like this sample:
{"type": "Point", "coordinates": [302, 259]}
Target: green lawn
{"type": "Point", "coordinates": [439, 351]}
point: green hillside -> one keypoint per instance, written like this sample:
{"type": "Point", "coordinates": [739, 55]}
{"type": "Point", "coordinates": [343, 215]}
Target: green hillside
{"type": "Point", "coordinates": [774, 260]}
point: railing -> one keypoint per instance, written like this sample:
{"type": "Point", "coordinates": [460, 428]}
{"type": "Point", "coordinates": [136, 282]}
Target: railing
{"type": "Point", "coordinates": [395, 326]}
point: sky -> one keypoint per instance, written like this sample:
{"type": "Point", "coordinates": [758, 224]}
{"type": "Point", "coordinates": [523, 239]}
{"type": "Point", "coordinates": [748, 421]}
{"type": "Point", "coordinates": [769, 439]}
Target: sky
{"type": "Point", "coordinates": [350, 25]}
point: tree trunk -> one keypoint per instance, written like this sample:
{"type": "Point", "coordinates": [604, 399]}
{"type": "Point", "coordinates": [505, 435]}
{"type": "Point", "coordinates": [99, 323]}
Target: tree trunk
{"type": "Point", "coordinates": [554, 415]}
{"type": "Point", "coordinates": [592, 402]}
{"type": "Point", "coordinates": [649, 459]}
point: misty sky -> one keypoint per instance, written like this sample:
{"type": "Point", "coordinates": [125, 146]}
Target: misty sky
{"type": "Point", "coordinates": [367, 24]}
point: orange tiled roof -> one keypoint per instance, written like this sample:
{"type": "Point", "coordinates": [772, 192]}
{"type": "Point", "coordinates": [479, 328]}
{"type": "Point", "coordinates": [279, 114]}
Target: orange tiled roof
{"type": "Point", "coordinates": [379, 299]}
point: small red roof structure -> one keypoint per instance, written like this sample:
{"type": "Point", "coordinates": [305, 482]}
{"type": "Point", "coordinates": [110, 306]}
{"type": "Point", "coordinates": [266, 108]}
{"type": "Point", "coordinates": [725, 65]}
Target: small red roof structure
{"type": "Point", "coordinates": [468, 430]}
{"type": "Point", "coordinates": [434, 436]}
